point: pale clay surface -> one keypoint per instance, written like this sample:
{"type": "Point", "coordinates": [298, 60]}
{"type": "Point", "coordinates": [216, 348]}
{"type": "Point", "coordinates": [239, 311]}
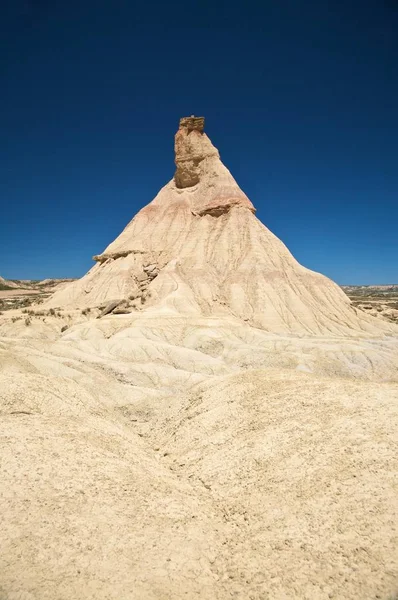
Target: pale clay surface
{"type": "Point", "coordinates": [235, 436]}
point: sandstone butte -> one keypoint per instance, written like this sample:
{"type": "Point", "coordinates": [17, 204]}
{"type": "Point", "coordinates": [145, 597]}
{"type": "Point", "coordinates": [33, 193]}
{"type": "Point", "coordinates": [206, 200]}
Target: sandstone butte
{"type": "Point", "coordinates": [231, 433]}
{"type": "Point", "coordinates": [198, 249]}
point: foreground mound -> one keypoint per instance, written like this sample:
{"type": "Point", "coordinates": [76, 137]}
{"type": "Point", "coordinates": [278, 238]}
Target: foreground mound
{"type": "Point", "coordinates": [262, 484]}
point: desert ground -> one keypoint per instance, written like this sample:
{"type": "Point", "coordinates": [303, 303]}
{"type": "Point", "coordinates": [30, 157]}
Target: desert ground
{"type": "Point", "coordinates": [199, 416]}
{"type": "Point", "coordinates": [377, 300]}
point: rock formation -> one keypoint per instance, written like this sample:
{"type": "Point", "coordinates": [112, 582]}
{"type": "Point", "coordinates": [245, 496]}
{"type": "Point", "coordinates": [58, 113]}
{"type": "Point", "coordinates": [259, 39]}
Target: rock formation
{"type": "Point", "coordinates": [198, 248]}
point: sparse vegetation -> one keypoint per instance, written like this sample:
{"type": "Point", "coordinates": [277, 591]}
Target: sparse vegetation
{"type": "Point", "coordinates": [86, 311]}
{"type": "Point", "coordinates": [26, 294]}
{"type": "Point", "coordinates": [15, 302]}
{"type": "Point", "coordinates": [379, 301]}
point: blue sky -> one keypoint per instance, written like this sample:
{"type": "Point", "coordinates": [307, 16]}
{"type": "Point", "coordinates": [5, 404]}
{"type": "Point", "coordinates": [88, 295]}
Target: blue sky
{"type": "Point", "coordinates": [300, 98]}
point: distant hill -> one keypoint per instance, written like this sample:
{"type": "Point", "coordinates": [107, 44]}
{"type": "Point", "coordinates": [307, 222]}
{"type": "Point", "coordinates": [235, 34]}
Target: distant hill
{"type": "Point", "coordinates": [7, 285]}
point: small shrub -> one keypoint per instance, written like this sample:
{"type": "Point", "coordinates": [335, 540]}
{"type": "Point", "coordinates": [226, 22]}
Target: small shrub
{"type": "Point", "coordinates": [51, 312]}
{"type": "Point", "coordinates": [27, 321]}
{"type": "Point", "coordinates": [85, 311]}
{"type": "Point", "coordinates": [64, 328]}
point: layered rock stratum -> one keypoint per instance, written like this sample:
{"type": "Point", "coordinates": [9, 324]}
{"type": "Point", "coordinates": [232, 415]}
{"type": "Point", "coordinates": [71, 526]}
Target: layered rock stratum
{"type": "Point", "coordinates": [230, 433]}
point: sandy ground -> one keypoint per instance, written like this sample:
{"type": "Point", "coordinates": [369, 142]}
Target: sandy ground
{"type": "Point", "coordinates": [148, 459]}
{"type": "Point", "coordinates": [17, 292]}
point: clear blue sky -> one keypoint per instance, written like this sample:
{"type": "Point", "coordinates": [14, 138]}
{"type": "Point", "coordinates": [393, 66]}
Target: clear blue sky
{"type": "Point", "coordinates": [300, 97]}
